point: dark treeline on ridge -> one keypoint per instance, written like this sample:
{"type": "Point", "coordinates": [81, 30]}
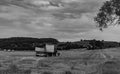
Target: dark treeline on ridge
{"type": "Point", "coordinates": [28, 43]}
{"type": "Point", "coordinates": [24, 43]}
{"type": "Point", "coordinates": [89, 44]}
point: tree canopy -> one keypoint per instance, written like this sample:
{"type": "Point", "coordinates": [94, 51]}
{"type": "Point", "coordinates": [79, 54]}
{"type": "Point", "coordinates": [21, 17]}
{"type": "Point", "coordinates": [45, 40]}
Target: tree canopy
{"type": "Point", "coordinates": [109, 14]}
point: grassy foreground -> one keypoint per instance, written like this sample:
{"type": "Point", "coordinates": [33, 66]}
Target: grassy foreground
{"type": "Point", "coordinates": [70, 62]}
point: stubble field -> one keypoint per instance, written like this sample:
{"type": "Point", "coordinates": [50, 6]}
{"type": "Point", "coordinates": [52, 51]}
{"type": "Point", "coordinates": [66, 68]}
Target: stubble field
{"type": "Point", "coordinates": [69, 62]}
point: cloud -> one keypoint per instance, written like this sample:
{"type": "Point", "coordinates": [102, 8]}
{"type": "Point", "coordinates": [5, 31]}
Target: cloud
{"type": "Point", "coordinates": [10, 32]}
{"type": "Point", "coordinates": [61, 19]}
{"type": "Point", "coordinates": [109, 34]}
{"type": "Point", "coordinates": [77, 8]}
{"type": "Point", "coordinates": [83, 24]}
{"type": "Point", "coordinates": [61, 9]}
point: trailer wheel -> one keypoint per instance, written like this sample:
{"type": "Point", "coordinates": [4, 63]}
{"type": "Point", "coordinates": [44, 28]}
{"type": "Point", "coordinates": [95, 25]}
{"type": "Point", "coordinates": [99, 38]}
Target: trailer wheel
{"type": "Point", "coordinates": [46, 55]}
{"type": "Point", "coordinates": [37, 55]}
{"type": "Point", "coordinates": [58, 54]}
{"type": "Point", "coordinates": [53, 54]}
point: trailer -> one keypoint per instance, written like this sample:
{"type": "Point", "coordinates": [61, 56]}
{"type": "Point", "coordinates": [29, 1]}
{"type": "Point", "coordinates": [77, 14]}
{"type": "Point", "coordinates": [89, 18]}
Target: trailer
{"type": "Point", "coordinates": [47, 50]}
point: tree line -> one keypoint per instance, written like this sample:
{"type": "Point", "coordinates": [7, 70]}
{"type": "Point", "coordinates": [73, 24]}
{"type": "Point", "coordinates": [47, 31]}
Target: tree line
{"type": "Point", "coordinates": [89, 44]}
{"type": "Point", "coordinates": [24, 43]}
{"type": "Point", "coordinates": [27, 43]}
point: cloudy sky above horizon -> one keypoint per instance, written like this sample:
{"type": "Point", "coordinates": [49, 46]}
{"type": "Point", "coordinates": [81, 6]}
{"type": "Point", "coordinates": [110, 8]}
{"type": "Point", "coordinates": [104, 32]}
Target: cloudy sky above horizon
{"type": "Point", "coordinates": [66, 20]}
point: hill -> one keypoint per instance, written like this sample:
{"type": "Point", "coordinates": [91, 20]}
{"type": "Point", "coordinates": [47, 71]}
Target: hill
{"type": "Point", "coordinates": [29, 43]}
{"type": "Point", "coordinates": [89, 44]}
{"type": "Point", "coordinates": [24, 43]}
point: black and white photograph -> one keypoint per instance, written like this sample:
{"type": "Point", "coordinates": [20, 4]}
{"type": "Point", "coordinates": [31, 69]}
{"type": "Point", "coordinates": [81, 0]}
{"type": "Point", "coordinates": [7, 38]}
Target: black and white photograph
{"type": "Point", "coordinates": [59, 36]}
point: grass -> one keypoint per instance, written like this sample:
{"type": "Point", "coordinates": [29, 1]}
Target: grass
{"type": "Point", "coordinates": [13, 69]}
{"type": "Point", "coordinates": [70, 62]}
{"type": "Point", "coordinates": [41, 64]}
{"type": "Point", "coordinates": [47, 72]}
{"type": "Point", "coordinates": [68, 72]}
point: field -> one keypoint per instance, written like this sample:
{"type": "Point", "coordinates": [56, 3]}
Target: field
{"type": "Point", "coordinates": [69, 62]}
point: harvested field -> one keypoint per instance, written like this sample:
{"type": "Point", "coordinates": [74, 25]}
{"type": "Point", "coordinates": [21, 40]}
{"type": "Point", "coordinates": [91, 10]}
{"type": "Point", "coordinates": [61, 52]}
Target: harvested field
{"type": "Point", "coordinates": [72, 61]}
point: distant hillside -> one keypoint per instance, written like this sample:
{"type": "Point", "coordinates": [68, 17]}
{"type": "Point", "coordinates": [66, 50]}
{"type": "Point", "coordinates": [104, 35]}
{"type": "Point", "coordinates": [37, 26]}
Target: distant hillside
{"type": "Point", "coordinates": [24, 43]}
{"type": "Point", "coordinates": [28, 43]}
{"type": "Point", "coordinates": [96, 44]}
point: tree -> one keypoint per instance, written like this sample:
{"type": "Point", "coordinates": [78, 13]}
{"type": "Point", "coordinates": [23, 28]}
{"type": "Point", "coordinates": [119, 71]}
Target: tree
{"type": "Point", "coordinates": [109, 14]}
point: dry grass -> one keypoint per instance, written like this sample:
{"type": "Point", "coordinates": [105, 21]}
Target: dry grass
{"type": "Point", "coordinates": [70, 62]}
{"type": "Point", "coordinates": [47, 72]}
{"type": "Point", "coordinates": [13, 69]}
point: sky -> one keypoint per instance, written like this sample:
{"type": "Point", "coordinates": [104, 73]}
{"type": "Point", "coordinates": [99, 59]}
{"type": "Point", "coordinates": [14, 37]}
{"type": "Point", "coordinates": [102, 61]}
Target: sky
{"type": "Point", "coordinates": [65, 20]}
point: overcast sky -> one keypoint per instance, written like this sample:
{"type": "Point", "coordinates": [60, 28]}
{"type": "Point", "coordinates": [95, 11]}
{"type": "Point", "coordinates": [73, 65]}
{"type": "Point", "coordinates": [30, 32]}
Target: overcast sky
{"type": "Point", "coordinates": [62, 19]}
